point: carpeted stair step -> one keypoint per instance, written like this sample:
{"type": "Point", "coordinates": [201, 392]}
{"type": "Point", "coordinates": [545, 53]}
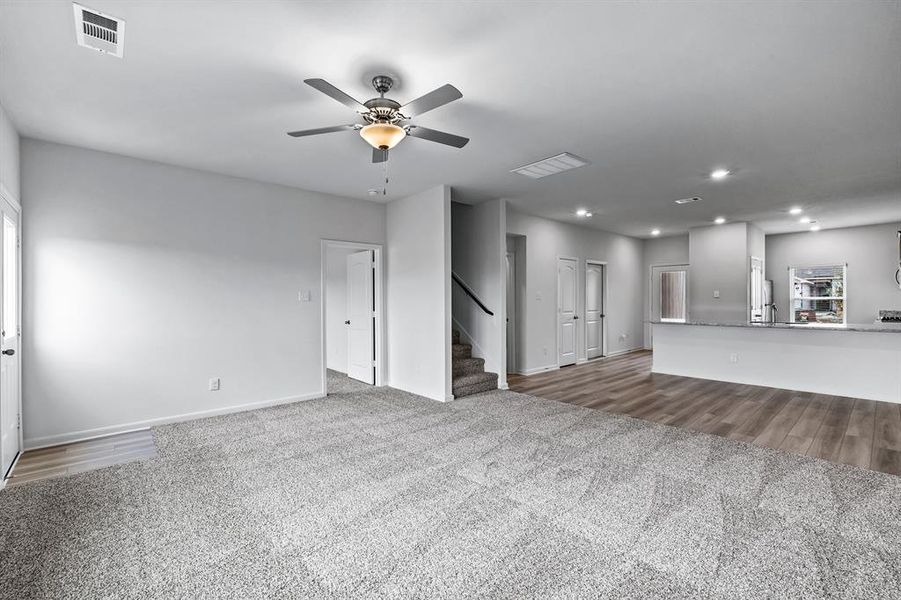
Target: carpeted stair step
{"type": "Point", "coordinates": [468, 366]}
{"type": "Point", "coordinates": [461, 351]}
{"type": "Point", "coordinates": [466, 385]}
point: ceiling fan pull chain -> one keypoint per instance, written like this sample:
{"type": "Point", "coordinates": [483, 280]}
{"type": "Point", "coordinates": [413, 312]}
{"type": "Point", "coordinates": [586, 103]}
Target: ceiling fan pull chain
{"type": "Point", "coordinates": [385, 189]}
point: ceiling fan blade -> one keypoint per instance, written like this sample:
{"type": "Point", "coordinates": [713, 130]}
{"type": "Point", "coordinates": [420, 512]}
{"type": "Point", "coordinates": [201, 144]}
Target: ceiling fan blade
{"type": "Point", "coordinates": [379, 156]}
{"type": "Point", "coordinates": [329, 90]}
{"type": "Point", "coordinates": [307, 132]}
{"type": "Point", "coordinates": [448, 139]}
{"type": "Point", "coordinates": [439, 97]}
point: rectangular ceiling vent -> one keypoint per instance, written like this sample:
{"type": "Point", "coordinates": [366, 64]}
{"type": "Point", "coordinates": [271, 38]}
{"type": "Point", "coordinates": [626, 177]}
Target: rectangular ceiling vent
{"type": "Point", "coordinates": [687, 200]}
{"type": "Point", "coordinates": [551, 165]}
{"type": "Point", "coordinates": [99, 31]}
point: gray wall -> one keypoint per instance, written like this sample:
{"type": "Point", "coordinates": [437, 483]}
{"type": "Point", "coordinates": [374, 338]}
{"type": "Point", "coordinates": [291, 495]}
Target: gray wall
{"type": "Point", "coordinates": [478, 253]}
{"type": "Point", "coordinates": [671, 250]}
{"type": "Point", "coordinates": [143, 280]}
{"type": "Point", "coordinates": [718, 255]}
{"type": "Point", "coordinates": [545, 240]}
{"type": "Point", "coordinates": [419, 295]}
{"type": "Point", "coordinates": [872, 256]}
{"type": "Point", "coordinates": [9, 156]}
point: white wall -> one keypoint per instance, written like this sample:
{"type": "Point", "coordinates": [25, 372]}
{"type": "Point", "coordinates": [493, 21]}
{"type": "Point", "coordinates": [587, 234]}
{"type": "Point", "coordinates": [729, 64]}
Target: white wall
{"type": "Point", "coordinates": [872, 256]}
{"type": "Point", "coordinates": [545, 241]}
{"type": "Point", "coordinates": [336, 307]}
{"type": "Point", "coordinates": [419, 295]}
{"type": "Point", "coordinates": [478, 258]}
{"type": "Point", "coordinates": [718, 255]}
{"type": "Point", "coordinates": [144, 280]}
{"type": "Point", "coordinates": [854, 364]}
{"type": "Point", "coordinates": [9, 156]}
{"type": "Point", "coordinates": [671, 250]}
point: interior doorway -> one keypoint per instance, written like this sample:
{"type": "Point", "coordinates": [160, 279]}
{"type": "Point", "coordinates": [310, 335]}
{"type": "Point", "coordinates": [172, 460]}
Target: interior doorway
{"type": "Point", "coordinates": [595, 303]}
{"type": "Point", "coordinates": [669, 296]}
{"type": "Point", "coordinates": [10, 365]}
{"type": "Point", "coordinates": [511, 311]}
{"type": "Point", "coordinates": [352, 311]}
{"type": "Point", "coordinates": [515, 265]}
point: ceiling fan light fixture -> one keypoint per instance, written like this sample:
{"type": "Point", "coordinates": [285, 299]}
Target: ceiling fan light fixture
{"type": "Point", "coordinates": [383, 136]}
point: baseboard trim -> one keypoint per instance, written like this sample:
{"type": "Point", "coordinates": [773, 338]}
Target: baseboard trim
{"type": "Point", "coordinates": [528, 372]}
{"type": "Point", "coordinates": [99, 432]}
{"type": "Point", "coordinates": [620, 352]}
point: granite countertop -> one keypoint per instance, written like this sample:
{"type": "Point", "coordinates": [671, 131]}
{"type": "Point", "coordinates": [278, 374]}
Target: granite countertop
{"type": "Point", "coordinates": [868, 327]}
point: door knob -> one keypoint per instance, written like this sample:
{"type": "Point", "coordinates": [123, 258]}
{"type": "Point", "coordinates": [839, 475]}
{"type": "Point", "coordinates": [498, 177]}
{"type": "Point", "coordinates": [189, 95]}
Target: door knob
{"type": "Point", "coordinates": [575, 316]}
{"type": "Point", "coordinates": [9, 352]}
{"type": "Point", "coordinates": [347, 322]}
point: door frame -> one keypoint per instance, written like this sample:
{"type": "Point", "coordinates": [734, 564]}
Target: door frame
{"type": "Point", "coordinates": [379, 290]}
{"type": "Point", "coordinates": [578, 303]}
{"type": "Point", "coordinates": [510, 316]}
{"type": "Point", "coordinates": [6, 195]}
{"type": "Point", "coordinates": [650, 297]}
{"type": "Point", "coordinates": [601, 263]}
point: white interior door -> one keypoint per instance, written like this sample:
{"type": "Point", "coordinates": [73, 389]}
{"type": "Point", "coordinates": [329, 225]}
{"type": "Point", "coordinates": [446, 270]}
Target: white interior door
{"type": "Point", "coordinates": [594, 310]}
{"type": "Point", "coordinates": [10, 401]}
{"type": "Point", "coordinates": [511, 313]}
{"type": "Point", "coordinates": [360, 320]}
{"type": "Point", "coordinates": [566, 311]}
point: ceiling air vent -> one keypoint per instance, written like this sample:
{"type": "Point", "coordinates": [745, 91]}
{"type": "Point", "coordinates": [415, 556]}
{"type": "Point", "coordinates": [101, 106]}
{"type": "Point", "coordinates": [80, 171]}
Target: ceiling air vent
{"type": "Point", "coordinates": [550, 166]}
{"type": "Point", "coordinates": [687, 200]}
{"type": "Point", "coordinates": [99, 31]}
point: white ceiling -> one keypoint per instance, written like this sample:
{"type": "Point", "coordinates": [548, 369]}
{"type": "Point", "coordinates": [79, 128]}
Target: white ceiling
{"type": "Point", "coordinates": [802, 100]}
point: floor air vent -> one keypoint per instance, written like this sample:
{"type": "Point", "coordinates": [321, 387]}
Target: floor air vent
{"type": "Point", "coordinates": [99, 31]}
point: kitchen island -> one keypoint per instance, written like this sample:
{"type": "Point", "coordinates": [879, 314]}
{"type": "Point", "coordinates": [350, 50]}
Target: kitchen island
{"type": "Point", "coordinates": [857, 361]}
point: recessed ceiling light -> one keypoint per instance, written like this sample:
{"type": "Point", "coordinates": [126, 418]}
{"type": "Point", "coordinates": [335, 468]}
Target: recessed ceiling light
{"type": "Point", "coordinates": [719, 174]}
{"type": "Point", "coordinates": [581, 212]}
{"type": "Point", "coordinates": [719, 220]}
{"type": "Point", "coordinates": [804, 220]}
{"type": "Point", "coordinates": [815, 228]}
{"type": "Point", "coordinates": [587, 214]}
{"type": "Point", "coordinates": [655, 232]}
{"type": "Point", "coordinates": [795, 210]}
{"type": "Point", "coordinates": [373, 192]}
{"type": "Point", "coordinates": [687, 200]}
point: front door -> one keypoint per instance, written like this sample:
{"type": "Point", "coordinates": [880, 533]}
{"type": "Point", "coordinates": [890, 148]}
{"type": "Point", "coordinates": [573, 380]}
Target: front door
{"type": "Point", "coordinates": [566, 311]}
{"type": "Point", "coordinates": [10, 404]}
{"type": "Point", "coordinates": [594, 310]}
{"type": "Point", "coordinates": [360, 320]}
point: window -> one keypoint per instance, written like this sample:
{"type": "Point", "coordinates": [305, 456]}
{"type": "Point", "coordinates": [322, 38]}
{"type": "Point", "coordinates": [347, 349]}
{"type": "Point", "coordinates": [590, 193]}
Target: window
{"type": "Point", "coordinates": [672, 296]}
{"type": "Point", "coordinates": [818, 294]}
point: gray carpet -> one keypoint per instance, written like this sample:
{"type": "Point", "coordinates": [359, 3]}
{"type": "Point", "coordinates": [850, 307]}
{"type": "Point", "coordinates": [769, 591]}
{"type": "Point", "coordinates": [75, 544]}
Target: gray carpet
{"type": "Point", "coordinates": [380, 494]}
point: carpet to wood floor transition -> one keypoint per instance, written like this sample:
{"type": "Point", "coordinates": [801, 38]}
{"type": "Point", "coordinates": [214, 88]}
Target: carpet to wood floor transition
{"type": "Point", "coordinates": [375, 493]}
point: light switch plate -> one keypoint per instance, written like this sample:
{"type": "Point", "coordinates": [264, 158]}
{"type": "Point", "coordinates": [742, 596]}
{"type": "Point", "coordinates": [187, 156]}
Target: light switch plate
{"type": "Point", "coordinates": [716, 293]}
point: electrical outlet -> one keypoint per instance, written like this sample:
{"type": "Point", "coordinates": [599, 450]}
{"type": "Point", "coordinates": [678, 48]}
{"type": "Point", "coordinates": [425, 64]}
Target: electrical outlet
{"type": "Point", "coordinates": [544, 350]}
{"type": "Point", "coordinates": [305, 296]}
{"type": "Point", "coordinates": [733, 358]}
{"type": "Point", "coordinates": [214, 384]}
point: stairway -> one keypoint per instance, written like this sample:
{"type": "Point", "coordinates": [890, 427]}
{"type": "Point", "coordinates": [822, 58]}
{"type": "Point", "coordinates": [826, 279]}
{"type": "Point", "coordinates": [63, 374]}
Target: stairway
{"type": "Point", "coordinates": [469, 373]}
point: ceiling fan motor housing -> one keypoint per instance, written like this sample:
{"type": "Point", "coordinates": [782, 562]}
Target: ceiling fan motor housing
{"type": "Point", "coordinates": [382, 110]}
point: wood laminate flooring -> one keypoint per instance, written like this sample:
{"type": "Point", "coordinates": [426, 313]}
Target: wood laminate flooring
{"type": "Point", "coordinates": [853, 431]}
{"type": "Point", "coordinates": [68, 459]}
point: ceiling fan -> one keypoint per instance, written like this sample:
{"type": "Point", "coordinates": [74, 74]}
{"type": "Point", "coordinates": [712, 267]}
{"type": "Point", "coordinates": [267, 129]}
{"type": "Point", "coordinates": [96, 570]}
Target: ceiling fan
{"type": "Point", "coordinates": [385, 119]}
